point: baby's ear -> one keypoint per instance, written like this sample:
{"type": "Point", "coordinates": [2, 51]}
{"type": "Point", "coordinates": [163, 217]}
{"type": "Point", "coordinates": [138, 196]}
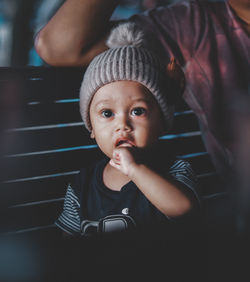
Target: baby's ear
{"type": "Point", "coordinates": [177, 78]}
{"type": "Point", "coordinates": [92, 135]}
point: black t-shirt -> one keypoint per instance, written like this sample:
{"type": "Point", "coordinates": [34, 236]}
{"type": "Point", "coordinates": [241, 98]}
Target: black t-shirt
{"type": "Point", "coordinates": [103, 201]}
{"type": "Point", "coordinates": [88, 199]}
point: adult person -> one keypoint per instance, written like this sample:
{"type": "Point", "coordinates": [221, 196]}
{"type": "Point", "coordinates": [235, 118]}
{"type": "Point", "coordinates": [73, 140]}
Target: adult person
{"type": "Point", "coordinates": [209, 39]}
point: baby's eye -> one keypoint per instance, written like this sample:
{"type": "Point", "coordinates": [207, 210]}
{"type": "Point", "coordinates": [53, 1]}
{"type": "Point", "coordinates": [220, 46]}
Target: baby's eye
{"type": "Point", "coordinates": [138, 111]}
{"type": "Point", "coordinates": [107, 113]}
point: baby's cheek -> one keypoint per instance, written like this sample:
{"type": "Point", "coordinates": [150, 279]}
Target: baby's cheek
{"type": "Point", "coordinates": [143, 137]}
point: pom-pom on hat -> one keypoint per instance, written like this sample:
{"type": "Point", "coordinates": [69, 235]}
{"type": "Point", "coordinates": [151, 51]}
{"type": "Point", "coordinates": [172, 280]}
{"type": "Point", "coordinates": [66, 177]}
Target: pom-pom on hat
{"type": "Point", "coordinates": [127, 59]}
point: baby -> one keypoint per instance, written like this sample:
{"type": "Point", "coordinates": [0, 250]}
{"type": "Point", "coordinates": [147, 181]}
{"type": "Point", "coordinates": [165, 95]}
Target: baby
{"type": "Point", "coordinates": [126, 102]}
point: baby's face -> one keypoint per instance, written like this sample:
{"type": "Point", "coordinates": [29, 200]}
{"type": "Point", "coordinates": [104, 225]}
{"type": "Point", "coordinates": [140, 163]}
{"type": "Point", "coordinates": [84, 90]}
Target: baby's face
{"type": "Point", "coordinates": [125, 114]}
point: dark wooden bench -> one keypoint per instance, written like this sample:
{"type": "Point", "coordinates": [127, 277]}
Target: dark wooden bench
{"type": "Point", "coordinates": [44, 143]}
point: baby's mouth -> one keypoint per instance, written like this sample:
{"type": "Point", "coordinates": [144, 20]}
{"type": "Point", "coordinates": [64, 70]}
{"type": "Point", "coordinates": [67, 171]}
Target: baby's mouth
{"type": "Point", "coordinates": [122, 142]}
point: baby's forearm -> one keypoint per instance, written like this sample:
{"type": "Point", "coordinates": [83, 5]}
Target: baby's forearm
{"type": "Point", "coordinates": [162, 193]}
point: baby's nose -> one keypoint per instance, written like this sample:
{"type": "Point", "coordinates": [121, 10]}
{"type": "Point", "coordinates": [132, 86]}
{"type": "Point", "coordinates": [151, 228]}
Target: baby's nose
{"type": "Point", "coordinates": [123, 123]}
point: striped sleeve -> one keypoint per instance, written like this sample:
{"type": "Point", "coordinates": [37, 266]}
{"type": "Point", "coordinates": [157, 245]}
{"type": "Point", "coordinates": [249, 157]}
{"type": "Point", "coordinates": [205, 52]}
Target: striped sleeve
{"type": "Point", "coordinates": [182, 171]}
{"type": "Point", "coordinates": [69, 220]}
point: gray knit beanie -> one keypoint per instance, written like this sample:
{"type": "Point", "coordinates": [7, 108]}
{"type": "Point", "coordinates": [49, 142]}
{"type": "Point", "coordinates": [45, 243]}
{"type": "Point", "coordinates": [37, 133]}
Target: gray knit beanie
{"type": "Point", "coordinates": [127, 59]}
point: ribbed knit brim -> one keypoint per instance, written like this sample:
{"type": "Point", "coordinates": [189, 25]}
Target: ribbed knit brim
{"type": "Point", "coordinates": [126, 63]}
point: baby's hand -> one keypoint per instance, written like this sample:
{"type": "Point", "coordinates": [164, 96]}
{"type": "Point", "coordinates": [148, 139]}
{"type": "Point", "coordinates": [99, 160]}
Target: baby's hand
{"type": "Point", "coordinates": [123, 160]}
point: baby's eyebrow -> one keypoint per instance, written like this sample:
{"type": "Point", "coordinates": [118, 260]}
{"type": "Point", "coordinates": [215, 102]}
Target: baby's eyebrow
{"type": "Point", "coordinates": [106, 102]}
{"type": "Point", "coordinates": [144, 100]}
{"type": "Point", "coordinates": [101, 103]}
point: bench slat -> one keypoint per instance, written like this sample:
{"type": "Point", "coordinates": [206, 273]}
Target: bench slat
{"type": "Point", "coordinates": [33, 216]}
{"type": "Point", "coordinates": [47, 139]}
{"type": "Point", "coordinates": [47, 114]}
{"type": "Point", "coordinates": [52, 163]}
{"type": "Point", "coordinates": [36, 190]}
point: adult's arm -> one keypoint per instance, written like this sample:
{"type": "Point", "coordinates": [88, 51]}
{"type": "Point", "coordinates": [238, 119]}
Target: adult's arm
{"type": "Point", "coordinates": [76, 33]}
